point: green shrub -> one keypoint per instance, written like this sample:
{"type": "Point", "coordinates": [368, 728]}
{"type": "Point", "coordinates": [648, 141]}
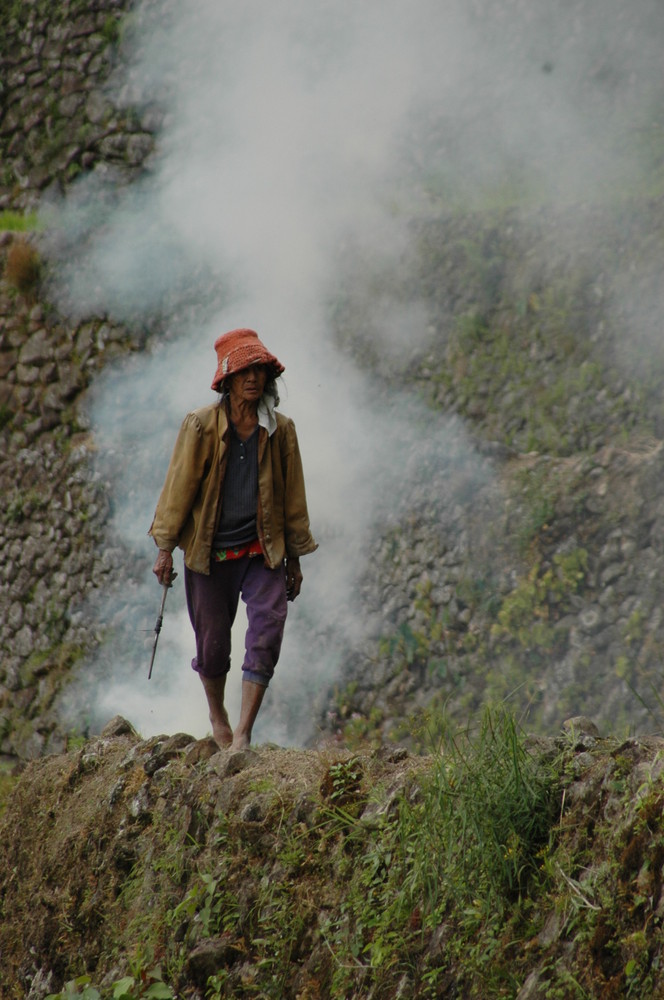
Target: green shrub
{"type": "Point", "coordinates": [464, 848]}
{"type": "Point", "coordinates": [487, 812]}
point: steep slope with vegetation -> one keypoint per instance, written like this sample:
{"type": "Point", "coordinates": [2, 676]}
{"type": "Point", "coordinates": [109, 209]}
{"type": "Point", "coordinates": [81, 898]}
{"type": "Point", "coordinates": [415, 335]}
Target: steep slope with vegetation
{"type": "Point", "coordinates": [502, 867]}
{"type": "Point", "coordinates": [542, 583]}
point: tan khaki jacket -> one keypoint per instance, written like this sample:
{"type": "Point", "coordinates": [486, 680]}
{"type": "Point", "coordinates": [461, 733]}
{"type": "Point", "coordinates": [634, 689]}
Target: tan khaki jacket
{"type": "Point", "coordinates": [188, 508]}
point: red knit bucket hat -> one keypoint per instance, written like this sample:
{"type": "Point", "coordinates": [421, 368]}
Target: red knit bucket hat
{"type": "Point", "coordinates": [239, 349]}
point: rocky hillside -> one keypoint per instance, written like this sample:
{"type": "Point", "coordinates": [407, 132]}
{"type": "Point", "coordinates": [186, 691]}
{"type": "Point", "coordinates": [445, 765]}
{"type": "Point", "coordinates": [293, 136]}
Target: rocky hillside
{"type": "Point", "coordinates": [540, 583]}
{"type": "Point", "coordinates": [503, 868]}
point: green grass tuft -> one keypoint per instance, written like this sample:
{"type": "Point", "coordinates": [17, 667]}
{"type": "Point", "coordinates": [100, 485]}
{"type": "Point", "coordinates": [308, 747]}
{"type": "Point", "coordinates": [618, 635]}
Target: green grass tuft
{"type": "Point", "coordinates": [19, 223]}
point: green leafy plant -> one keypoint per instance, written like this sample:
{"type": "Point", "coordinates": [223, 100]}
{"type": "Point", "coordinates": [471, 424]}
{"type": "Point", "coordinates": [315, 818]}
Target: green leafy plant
{"type": "Point", "coordinates": [79, 987]}
{"type": "Point", "coordinates": [525, 613]}
{"type": "Point", "coordinates": [211, 905]}
{"type": "Point", "coordinates": [146, 986]}
{"type": "Point", "coordinates": [342, 781]}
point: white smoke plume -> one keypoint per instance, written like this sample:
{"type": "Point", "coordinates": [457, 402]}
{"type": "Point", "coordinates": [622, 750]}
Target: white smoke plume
{"type": "Point", "coordinates": [292, 130]}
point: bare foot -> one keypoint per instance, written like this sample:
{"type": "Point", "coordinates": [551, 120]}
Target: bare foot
{"type": "Point", "coordinates": [222, 733]}
{"type": "Point", "coordinates": [240, 742]}
{"type": "Point", "coordinates": [252, 697]}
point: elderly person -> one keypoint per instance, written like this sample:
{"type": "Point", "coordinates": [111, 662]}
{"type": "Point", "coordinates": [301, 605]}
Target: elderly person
{"type": "Point", "coordinates": [234, 501]}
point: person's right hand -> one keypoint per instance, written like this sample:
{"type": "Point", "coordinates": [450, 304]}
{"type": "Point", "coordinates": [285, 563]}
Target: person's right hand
{"type": "Point", "coordinates": [163, 568]}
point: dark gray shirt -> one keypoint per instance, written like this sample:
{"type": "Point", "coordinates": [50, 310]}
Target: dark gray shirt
{"type": "Point", "coordinates": [237, 524]}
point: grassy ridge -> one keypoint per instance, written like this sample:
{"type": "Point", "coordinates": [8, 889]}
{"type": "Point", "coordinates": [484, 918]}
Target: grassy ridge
{"type": "Point", "coordinates": [293, 874]}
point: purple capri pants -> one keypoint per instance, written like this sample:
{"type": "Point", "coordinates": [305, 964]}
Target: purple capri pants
{"type": "Point", "coordinates": [212, 602]}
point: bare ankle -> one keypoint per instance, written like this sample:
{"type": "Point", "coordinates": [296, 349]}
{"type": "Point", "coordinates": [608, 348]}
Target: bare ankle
{"type": "Point", "coordinates": [240, 741]}
{"type": "Point", "coordinates": [222, 733]}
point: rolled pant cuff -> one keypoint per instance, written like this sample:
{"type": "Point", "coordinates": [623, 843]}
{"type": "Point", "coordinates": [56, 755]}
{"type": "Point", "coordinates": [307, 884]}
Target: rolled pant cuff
{"type": "Point", "coordinates": [204, 673]}
{"type": "Point", "coordinates": [250, 675]}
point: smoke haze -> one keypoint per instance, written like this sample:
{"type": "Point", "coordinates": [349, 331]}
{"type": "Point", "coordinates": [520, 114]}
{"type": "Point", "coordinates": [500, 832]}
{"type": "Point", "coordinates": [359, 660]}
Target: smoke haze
{"type": "Point", "coordinates": [292, 132]}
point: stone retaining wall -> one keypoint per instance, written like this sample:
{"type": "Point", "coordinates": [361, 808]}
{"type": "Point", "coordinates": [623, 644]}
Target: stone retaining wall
{"type": "Point", "coordinates": [54, 506]}
{"type": "Point", "coordinates": [56, 120]}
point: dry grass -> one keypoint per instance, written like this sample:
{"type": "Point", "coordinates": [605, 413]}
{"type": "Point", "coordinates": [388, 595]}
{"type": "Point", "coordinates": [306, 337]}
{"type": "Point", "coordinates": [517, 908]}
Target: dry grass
{"type": "Point", "coordinates": [23, 267]}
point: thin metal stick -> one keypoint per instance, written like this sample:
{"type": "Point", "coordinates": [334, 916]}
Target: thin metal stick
{"type": "Point", "coordinates": [157, 628]}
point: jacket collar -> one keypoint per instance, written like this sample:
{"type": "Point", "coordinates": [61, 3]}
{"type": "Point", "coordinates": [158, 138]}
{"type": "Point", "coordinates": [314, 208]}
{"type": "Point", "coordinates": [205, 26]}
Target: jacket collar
{"type": "Point", "coordinates": [266, 414]}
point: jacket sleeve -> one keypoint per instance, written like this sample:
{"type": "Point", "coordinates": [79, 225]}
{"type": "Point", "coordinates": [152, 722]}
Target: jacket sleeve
{"type": "Point", "coordinates": [297, 532]}
{"type": "Point", "coordinates": [185, 473]}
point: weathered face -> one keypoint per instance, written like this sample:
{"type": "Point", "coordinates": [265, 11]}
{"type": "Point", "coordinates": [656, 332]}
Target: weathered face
{"type": "Point", "coordinates": [248, 385]}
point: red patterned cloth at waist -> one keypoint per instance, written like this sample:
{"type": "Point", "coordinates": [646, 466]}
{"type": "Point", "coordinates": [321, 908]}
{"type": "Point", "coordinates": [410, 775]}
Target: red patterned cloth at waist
{"type": "Point", "coordinates": [252, 549]}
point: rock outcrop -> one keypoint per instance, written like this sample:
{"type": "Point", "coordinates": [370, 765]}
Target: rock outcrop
{"type": "Point", "coordinates": [317, 874]}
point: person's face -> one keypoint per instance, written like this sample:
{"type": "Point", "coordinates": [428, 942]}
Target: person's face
{"type": "Point", "coordinates": [247, 386]}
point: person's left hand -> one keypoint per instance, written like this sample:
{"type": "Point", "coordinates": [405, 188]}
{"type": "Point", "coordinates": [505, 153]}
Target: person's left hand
{"type": "Point", "coordinates": [293, 577]}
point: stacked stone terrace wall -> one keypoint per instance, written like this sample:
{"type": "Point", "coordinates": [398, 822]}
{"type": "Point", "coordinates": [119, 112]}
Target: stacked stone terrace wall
{"type": "Point", "coordinates": [57, 122]}
{"type": "Point", "coordinates": [56, 119]}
